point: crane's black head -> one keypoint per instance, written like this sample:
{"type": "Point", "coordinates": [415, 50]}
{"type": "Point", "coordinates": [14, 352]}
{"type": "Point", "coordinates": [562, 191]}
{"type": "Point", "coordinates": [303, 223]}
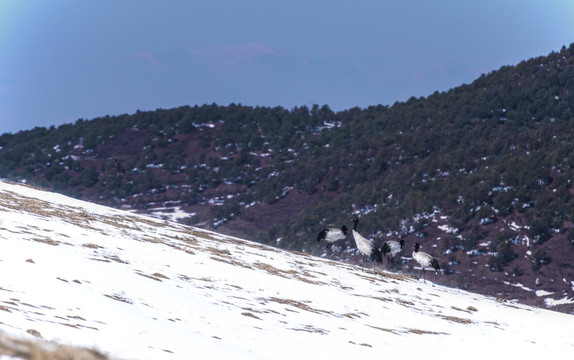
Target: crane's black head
{"type": "Point", "coordinates": [355, 221]}
{"type": "Point", "coordinates": [417, 246]}
{"type": "Point", "coordinates": [402, 242]}
{"type": "Point", "coordinates": [345, 229]}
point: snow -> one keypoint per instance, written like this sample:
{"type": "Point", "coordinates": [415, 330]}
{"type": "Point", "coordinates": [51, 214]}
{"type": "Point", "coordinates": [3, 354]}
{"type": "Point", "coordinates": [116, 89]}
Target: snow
{"type": "Point", "coordinates": [519, 285]}
{"type": "Point", "coordinates": [543, 293]}
{"type": "Point", "coordinates": [553, 302]}
{"type": "Point", "coordinates": [514, 226]}
{"type": "Point", "coordinates": [136, 287]}
{"type": "Point", "coordinates": [173, 214]}
{"type": "Point", "coordinates": [447, 229]}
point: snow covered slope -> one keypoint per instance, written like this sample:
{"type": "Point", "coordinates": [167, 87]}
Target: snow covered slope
{"type": "Point", "coordinates": [139, 288]}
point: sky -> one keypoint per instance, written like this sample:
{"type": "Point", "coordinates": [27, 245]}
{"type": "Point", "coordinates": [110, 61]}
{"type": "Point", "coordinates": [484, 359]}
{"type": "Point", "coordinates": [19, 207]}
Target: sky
{"type": "Point", "coordinates": [63, 60]}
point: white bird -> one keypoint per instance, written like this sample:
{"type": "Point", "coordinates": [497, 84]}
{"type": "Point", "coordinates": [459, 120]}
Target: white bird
{"type": "Point", "coordinates": [392, 248]}
{"type": "Point", "coordinates": [365, 246]}
{"type": "Point", "coordinates": [331, 235]}
{"type": "Point", "coordinates": [425, 260]}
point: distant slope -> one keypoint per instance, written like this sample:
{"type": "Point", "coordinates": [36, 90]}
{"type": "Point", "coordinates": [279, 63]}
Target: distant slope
{"type": "Point", "coordinates": [136, 287]}
{"type": "Point", "coordinates": [491, 160]}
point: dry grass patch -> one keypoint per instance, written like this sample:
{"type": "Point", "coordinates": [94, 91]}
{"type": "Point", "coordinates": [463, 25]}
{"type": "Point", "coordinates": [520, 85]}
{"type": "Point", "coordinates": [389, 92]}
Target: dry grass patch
{"type": "Point", "coordinates": [154, 276]}
{"type": "Point", "coordinates": [116, 259]}
{"type": "Point", "coordinates": [462, 310]}
{"type": "Point", "coordinates": [362, 344]}
{"type": "Point", "coordinates": [46, 240]}
{"type": "Point", "coordinates": [425, 332]}
{"type": "Point", "coordinates": [312, 329]}
{"type": "Point", "coordinates": [219, 252]}
{"type": "Point", "coordinates": [495, 324]}
{"type": "Point", "coordinates": [405, 303]}
{"type": "Point", "coordinates": [269, 269]}
{"type": "Point", "coordinates": [396, 276]}
{"type": "Point", "coordinates": [297, 304]}
{"type": "Point", "coordinates": [5, 308]}
{"type": "Point", "coordinates": [455, 319]}
{"type": "Point", "coordinates": [230, 262]}
{"type": "Point", "coordinates": [92, 246]}
{"type": "Point", "coordinates": [161, 276]}
{"type": "Point", "coordinates": [146, 220]}
{"type": "Point", "coordinates": [119, 297]}
{"type": "Point", "coordinates": [352, 316]}
{"type": "Point", "coordinates": [301, 276]}
{"type": "Point", "coordinates": [41, 350]}
{"type": "Point", "coordinates": [385, 329]}
{"type": "Point", "coordinates": [203, 235]}
{"type": "Point", "coordinates": [380, 298]}
{"type": "Point", "coordinates": [248, 314]}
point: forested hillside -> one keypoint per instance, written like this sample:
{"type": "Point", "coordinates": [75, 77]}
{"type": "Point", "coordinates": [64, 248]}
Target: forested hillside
{"type": "Point", "coordinates": [474, 160]}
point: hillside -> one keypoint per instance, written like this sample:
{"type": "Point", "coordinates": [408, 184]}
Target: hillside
{"type": "Point", "coordinates": [481, 175]}
{"type": "Point", "coordinates": [131, 286]}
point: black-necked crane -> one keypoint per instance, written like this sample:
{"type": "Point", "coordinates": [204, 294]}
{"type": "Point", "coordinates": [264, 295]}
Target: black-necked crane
{"type": "Point", "coordinates": [392, 248]}
{"type": "Point", "coordinates": [366, 247]}
{"type": "Point", "coordinates": [330, 235]}
{"type": "Point", "coordinates": [424, 260]}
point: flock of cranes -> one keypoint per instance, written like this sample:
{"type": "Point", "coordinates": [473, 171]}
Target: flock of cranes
{"type": "Point", "coordinates": [366, 247]}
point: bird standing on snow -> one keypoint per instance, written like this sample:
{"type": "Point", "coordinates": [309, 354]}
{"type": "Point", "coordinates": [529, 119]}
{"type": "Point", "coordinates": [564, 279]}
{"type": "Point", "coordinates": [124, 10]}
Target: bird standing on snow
{"type": "Point", "coordinates": [331, 235]}
{"type": "Point", "coordinates": [425, 260]}
{"type": "Point", "coordinates": [392, 248]}
{"type": "Point", "coordinates": [365, 246]}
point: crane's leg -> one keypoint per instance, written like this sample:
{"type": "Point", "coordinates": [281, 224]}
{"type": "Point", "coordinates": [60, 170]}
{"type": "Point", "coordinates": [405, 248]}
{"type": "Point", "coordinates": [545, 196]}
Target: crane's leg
{"type": "Point", "coordinates": [395, 265]}
{"type": "Point", "coordinates": [330, 250]}
{"type": "Point", "coordinates": [422, 273]}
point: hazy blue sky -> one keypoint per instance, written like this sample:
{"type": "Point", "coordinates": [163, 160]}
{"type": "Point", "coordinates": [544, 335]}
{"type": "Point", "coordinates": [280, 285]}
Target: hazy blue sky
{"type": "Point", "coordinates": [61, 60]}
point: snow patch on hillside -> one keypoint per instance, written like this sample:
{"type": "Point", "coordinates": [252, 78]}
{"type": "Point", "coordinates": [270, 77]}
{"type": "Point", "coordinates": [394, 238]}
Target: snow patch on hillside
{"type": "Point", "coordinates": [137, 287]}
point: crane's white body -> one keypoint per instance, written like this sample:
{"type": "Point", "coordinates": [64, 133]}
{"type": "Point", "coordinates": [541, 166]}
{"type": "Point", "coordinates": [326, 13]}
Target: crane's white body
{"type": "Point", "coordinates": [363, 244]}
{"type": "Point", "coordinates": [366, 247]}
{"type": "Point", "coordinates": [424, 260]}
